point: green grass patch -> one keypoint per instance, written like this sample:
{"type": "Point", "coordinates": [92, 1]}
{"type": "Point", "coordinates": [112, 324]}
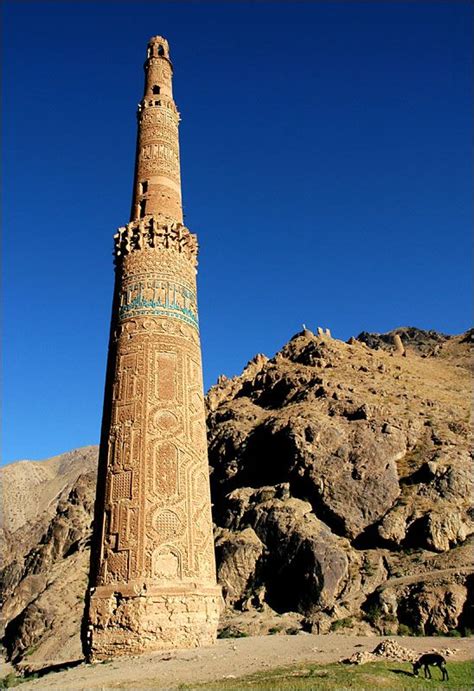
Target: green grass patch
{"type": "Point", "coordinates": [10, 681]}
{"type": "Point", "coordinates": [13, 679]}
{"type": "Point", "coordinates": [31, 650]}
{"type": "Point", "coordinates": [373, 675]}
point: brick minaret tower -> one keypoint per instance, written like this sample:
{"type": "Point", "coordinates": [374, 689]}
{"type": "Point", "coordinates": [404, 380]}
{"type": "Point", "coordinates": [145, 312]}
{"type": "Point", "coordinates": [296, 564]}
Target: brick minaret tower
{"type": "Point", "coordinates": [153, 582]}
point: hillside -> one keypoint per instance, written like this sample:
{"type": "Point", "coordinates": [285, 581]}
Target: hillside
{"type": "Point", "coordinates": [46, 524]}
{"type": "Point", "coordinates": [342, 488]}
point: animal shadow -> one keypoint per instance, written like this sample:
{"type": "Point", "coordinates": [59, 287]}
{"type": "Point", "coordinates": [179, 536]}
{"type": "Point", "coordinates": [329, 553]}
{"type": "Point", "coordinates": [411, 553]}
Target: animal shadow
{"type": "Point", "coordinates": [403, 672]}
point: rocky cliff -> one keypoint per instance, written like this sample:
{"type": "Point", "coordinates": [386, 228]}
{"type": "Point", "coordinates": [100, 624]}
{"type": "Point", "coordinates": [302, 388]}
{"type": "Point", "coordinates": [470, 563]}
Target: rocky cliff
{"type": "Point", "coordinates": [342, 483]}
{"type": "Point", "coordinates": [342, 491]}
{"type": "Point", "coordinates": [45, 530]}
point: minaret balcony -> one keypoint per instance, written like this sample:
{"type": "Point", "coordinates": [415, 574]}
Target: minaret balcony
{"type": "Point", "coordinates": [151, 232]}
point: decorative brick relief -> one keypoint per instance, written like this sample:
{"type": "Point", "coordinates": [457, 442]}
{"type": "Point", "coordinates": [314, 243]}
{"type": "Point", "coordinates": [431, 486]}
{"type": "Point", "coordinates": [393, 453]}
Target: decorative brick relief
{"type": "Point", "coordinates": [169, 525]}
{"type": "Point", "coordinates": [117, 566]}
{"type": "Point", "coordinates": [163, 469]}
{"type": "Point", "coordinates": [122, 486]}
{"type": "Point", "coordinates": [167, 563]}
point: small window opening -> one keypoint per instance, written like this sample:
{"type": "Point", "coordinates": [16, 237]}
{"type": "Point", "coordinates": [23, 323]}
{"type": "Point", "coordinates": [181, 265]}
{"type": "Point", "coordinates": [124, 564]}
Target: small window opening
{"type": "Point", "coordinates": [156, 89]}
{"type": "Point", "coordinates": [143, 187]}
{"type": "Point", "coordinates": [161, 50]}
{"type": "Point", "coordinates": [142, 208]}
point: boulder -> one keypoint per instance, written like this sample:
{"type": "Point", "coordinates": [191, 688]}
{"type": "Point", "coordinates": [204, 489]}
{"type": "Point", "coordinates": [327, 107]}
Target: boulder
{"type": "Point", "coordinates": [237, 554]}
{"type": "Point", "coordinates": [433, 607]}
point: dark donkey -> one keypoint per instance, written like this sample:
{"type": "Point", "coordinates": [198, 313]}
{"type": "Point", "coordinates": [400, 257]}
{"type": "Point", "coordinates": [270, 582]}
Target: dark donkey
{"type": "Point", "coordinates": [433, 659]}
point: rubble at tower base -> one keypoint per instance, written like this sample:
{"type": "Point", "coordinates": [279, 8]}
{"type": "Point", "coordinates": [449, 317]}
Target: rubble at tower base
{"type": "Point", "coordinates": [158, 620]}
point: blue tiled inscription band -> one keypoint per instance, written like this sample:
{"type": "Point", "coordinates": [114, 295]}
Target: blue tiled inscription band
{"type": "Point", "coordinates": [159, 298]}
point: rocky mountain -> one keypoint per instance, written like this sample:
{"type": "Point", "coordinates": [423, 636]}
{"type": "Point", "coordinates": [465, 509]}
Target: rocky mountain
{"type": "Point", "coordinates": [44, 552]}
{"type": "Point", "coordinates": [342, 491]}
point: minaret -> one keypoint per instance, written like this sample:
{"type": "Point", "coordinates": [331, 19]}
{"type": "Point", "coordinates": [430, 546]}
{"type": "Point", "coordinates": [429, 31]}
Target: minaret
{"type": "Point", "coordinates": [153, 581]}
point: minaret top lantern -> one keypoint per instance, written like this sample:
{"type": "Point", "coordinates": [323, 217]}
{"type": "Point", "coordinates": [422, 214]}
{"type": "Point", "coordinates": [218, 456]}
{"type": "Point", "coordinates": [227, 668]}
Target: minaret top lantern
{"type": "Point", "coordinates": [157, 186]}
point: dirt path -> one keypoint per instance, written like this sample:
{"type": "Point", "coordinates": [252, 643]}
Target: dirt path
{"type": "Point", "coordinates": [425, 576]}
{"type": "Point", "coordinates": [230, 658]}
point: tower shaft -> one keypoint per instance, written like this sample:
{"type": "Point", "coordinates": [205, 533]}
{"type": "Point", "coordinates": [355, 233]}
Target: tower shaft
{"type": "Point", "coordinates": [157, 186]}
{"type": "Point", "coordinates": [152, 581]}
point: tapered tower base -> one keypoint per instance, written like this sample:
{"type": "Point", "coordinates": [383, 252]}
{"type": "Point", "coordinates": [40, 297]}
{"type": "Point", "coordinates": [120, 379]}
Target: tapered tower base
{"type": "Point", "coordinates": [127, 623]}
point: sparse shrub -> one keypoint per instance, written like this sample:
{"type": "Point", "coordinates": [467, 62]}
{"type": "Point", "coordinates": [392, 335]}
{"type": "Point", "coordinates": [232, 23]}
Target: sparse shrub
{"type": "Point", "coordinates": [373, 614]}
{"type": "Point", "coordinates": [404, 630]}
{"type": "Point", "coordinates": [368, 568]}
{"type": "Point", "coordinates": [454, 633]}
{"type": "Point", "coordinates": [292, 631]}
{"type": "Point", "coordinates": [9, 681]}
{"type": "Point", "coordinates": [388, 624]}
{"type": "Point", "coordinates": [341, 624]}
{"type": "Point", "coordinates": [273, 630]}
{"type": "Point", "coordinates": [230, 632]}
{"type": "Point", "coordinates": [408, 630]}
{"type": "Point", "coordinates": [31, 650]}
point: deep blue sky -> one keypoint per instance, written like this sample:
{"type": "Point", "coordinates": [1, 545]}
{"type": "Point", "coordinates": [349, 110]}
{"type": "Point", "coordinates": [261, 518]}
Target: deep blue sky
{"type": "Point", "coordinates": [326, 169]}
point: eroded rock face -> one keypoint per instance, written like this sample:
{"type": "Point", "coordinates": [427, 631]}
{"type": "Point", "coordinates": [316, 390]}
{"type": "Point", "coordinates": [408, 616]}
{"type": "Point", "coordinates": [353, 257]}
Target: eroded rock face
{"type": "Point", "coordinates": [350, 463]}
{"type": "Point", "coordinates": [47, 628]}
{"type": "Point", "coordinates": [432, 607]}
{"type": "Point", "coordinates": [305, 567]}
{"type": "Point", "coordinates": [343, 468]}
{"type": "Point", "coordinates": [44, 579]}
{"type": "Point", "coordinates": [341, 483]}
{"type": "Point", "coordinates": [237, 555]}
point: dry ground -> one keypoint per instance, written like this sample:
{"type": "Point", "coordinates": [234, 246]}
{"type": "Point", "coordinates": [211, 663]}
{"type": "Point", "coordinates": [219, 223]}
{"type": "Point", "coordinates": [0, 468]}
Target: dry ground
{"type": "Point", "coordinates": [230, 659]}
